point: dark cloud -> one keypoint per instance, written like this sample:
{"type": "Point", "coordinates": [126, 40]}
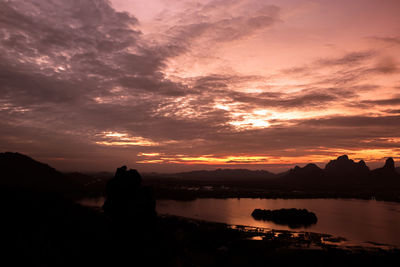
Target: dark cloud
{"type": "Point", "coordinates": [72, 67]}
{"type": "Point", "coordinates": [349, 59]}
{"type": "Point", "coordinates": [386, 65]}
{"type": "Point", "coordinates": [357, 121]}
{"type": "Point", "coordinates": [383, 102]}
{"type": "Point", "coordinates": [390, 40]}
{"type": "Point", "coordinates": [393, 111]}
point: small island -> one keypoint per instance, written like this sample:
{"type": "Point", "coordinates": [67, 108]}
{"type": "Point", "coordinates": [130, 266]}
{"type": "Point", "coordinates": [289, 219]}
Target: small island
{"type": "Point", "coordinates": [294, 218]}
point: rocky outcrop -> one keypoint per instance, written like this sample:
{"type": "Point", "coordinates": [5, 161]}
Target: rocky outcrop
{"type": "Point", "coordinates": [127, 201]}
{"type": "Point", "coordinates": [389, 164]}
{"type": "Point", "coordinates": [343, 166]}
{"type": "Point", "coordinates": [309, 169]}
{"type": "Point", "coordinates": [387, 172]}
{"type": "Point", "coordinates": [308, 175]}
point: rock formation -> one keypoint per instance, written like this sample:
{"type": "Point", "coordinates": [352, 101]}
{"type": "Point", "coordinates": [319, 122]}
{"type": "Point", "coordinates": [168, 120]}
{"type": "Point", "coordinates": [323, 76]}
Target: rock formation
{"type": "Point", "coordinates": [127, 201]}
{"type": "Point", "coordinates": [387, 172]}
{"type": "Point", "coordinates": [345, 166]}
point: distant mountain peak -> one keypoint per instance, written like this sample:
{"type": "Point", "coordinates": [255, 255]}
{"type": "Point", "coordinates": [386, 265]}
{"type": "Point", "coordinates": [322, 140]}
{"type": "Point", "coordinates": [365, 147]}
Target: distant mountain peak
{"type": "Point", "coordinates": [388, 171]}
{"type": "Point", "coordinates": [310, 168]}
{"type": "Point", "coordinates": [389, 164]}
{"type": "Point", "coordinates": [343, 158]}
{"type": "Point", "coordinates": [345, 166]}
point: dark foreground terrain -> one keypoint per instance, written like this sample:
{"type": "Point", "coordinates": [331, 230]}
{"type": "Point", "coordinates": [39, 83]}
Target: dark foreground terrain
{"type": "Point", "coordinates": [42, 225]}
{"type": "Point", "coordinates": [40, 229]}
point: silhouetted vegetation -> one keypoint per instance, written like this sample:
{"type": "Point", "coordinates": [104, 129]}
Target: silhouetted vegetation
{"type": "Point", "coordinates": [294, 218]}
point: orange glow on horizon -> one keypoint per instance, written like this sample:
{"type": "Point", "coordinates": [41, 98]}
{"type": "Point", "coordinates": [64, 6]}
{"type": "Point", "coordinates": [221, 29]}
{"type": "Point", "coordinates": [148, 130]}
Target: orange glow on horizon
{"type": "Point", "coordinates": [372, 155]}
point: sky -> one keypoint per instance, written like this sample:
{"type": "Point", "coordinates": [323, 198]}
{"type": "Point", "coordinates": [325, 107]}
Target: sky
{"type": "Point", "coordinates": [176, 85]}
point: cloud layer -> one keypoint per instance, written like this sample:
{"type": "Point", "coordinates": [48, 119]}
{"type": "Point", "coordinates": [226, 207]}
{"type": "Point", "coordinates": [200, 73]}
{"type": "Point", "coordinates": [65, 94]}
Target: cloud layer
{"type": "Point", "coordinates": [84, 86]}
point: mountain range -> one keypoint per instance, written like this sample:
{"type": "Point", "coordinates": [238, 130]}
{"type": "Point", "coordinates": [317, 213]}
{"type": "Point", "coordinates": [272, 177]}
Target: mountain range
{"type": "Point", "coordinates": [18, 170]}
{"type": "Point", "coordinates": [343, 171]}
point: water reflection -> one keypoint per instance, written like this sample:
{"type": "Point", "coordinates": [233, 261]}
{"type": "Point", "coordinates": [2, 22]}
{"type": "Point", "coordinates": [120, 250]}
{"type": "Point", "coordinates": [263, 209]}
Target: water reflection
{"type": "Point", "coordinates": [356, 220]}
{"type": "Point", "coordinates": [353, 219]}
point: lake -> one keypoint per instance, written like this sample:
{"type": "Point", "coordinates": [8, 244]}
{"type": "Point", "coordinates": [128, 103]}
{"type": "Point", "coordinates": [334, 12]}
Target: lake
{"type": "Point", "coordinates": [353, 219]}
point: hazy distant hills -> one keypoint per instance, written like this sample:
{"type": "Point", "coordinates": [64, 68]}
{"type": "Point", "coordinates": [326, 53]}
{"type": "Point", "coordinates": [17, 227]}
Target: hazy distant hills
{"type": "Point", "coordinates": [336, 172]}
{"type": "Point", "coordinates": [227, 174]}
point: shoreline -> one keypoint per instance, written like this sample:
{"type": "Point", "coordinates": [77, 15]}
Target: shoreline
{"type": "Point", "coordinates": [299, 239]}
{"type": "Point", "coordinates": [319, 238]}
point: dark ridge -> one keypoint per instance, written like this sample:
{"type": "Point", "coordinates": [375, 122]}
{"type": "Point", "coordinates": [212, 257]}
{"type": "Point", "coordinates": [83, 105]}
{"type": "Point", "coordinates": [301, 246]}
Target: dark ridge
{"type": "Point", "coordinates": [389, 164]}
{"type": "Point", "coordinates": [294, 218]}
{"type": "Point", "coordinates": [342, 175]}
{"type": "Point", "coordinates": [387, 173]}
{"type": "Point", "coordinates": [310, 170]}
{"type": "Point", "coordinates": [18, 170]}
{"type": "Point", "coordinates": [345, 167]}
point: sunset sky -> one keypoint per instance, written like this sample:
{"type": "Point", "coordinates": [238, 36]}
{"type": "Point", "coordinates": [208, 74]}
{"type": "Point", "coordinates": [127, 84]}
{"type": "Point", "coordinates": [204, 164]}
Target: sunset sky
{"type": "Point", "coordinates": [173, 85]}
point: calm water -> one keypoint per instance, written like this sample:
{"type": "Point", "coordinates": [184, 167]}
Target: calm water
{"type": "Point", "coordinates": [356, 220]}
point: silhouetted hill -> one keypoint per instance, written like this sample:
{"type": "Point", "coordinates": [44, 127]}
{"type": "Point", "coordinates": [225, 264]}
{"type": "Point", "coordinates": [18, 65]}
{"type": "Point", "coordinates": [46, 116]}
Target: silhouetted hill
{"type": "Point", "coordinates": [386, 174]}
{"type": "Point", "coordinates": [345, 167]}
{"type": "Point", "coordinates": [227, 174]}
{"type": "Point", "coordinates": [309, 170]}
{"type": "Point", "coordinates": [342, 172]}
{"type": "Point", "coordinates": [309, 174]}
{"type": "Point", "coordinates": [387, 169]}
{"type": "Point", "coordinates": [18, 170]}
{"type": "Point", "coordinates": [398, 170]}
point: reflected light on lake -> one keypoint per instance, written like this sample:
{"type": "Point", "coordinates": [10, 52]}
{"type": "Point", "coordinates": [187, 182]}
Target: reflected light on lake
{"type": "Point", "coordinates": [356, 220]}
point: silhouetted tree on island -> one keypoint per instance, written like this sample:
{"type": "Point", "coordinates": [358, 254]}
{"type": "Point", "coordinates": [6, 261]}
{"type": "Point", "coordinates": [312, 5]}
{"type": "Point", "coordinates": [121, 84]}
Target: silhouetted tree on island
{"type": "Point", "coordinates": [294, 218]}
